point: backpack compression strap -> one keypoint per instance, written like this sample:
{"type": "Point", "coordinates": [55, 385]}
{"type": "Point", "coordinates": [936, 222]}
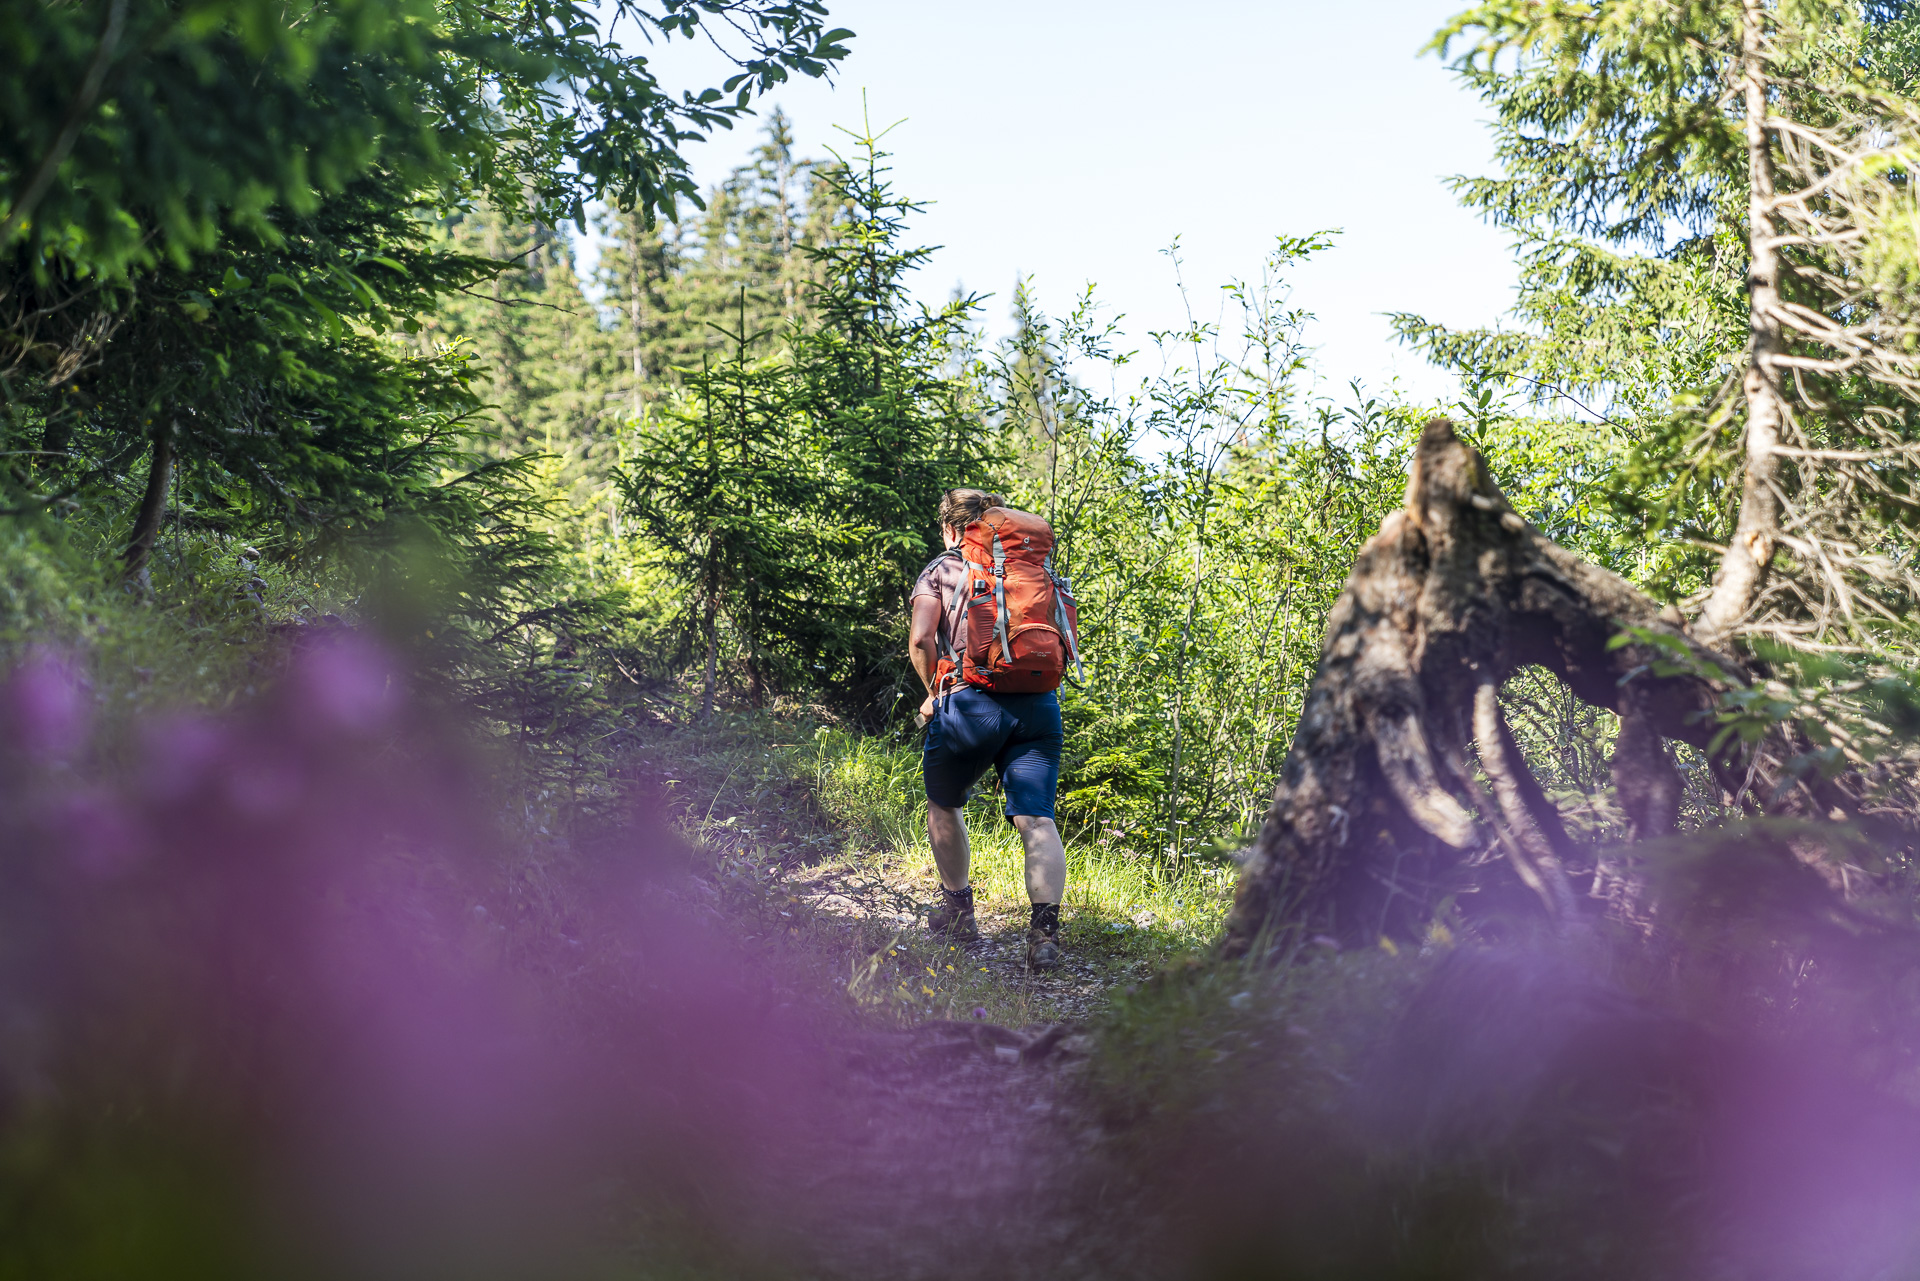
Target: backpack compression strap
{"type": "Point", "coordinates": [1062, 623]}
{"type": "Point", "coordinates": [1000, 599]}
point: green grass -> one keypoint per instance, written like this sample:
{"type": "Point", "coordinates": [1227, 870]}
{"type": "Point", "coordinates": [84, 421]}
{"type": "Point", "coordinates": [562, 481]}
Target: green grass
{"type": "Point", "coordinates": [1292, 1035]}
{"type": "Point", "coordinates": [197, 637]}
{"type": "Point", "coordinates": [773, 799]}
{"type": "Point", "coordinates": [871, 786]}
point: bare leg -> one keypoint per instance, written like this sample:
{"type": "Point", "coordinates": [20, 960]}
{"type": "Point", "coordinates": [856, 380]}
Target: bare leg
{"type": "Point", "coordinates": [947, 833]}
{"type": "Point", "coordinates": [1046, 858]}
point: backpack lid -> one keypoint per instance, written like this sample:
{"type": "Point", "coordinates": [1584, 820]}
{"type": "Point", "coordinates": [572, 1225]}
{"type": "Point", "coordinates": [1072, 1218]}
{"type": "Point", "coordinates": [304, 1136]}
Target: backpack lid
{"type": "Point", "coordinates": [1013, 526]}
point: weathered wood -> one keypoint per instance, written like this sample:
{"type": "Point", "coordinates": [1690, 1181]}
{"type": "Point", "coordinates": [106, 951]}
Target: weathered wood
{"type": "Point", "coordinates": [1374, 817]}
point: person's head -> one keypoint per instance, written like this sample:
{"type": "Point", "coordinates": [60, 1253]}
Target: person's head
{"type": "Point", "coordinates": [961, 507]}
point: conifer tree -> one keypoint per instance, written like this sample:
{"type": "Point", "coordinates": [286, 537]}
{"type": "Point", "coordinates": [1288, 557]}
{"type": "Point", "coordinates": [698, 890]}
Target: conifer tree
{"type": "Point", "coordinates": [546, 365]}
{"type": "Point", "coordinates": [789, 485]}
{"type": "Point", "coordinates": [754, 237]}
{"type": "Point", "coordinates": [1746, 142]}
{"type": "Point", "coordinates": [594, 384]}
{"type": "Point", "coordinates": [211, 216]}
{"type": "Point", "coordinates": [891, 423]}
{"type": "Point", "coordinates": [1708, 200]}
{"type": "Point", "coordinates": [638, 269]}
{"type": "Point", "coordinates": [668, 292]}
{"type": "Point", "coordinates": [724, 490]}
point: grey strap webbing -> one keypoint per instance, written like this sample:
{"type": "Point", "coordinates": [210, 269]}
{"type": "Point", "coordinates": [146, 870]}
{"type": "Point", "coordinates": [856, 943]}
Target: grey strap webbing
{"type": "Point", "coordinates": [1061, 623]}
{"type": "Point", "coordinates": [1064, 625]}
{"type": "Point", "coordinates": [955, 602]}
{"type": "Point", "coordinates": [1000, 599]}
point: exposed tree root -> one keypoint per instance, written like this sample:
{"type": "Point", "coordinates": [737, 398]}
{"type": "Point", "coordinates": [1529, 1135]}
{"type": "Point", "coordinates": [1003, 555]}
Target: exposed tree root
{"type": "Point", "coordinates": [1378, 813]}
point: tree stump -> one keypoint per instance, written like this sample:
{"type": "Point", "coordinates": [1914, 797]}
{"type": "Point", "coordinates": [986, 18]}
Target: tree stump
{"type": "Point", "coordinates": [1379, 813]}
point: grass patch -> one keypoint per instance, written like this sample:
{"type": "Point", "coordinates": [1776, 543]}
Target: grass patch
{"type": "Point", "coordinates": [198, 635]}
{"type": "Point", "coordinates": [1292, 1036]}
{"type": "Point", "coordinates": [786, 807]}
{"type": "Point", "coordinates": [1125, 906]}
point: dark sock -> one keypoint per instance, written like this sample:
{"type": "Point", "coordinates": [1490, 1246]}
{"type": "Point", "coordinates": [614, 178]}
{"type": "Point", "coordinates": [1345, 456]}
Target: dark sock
{"type": "Point", "coordinates": [959, 896]}
{"type": "Point", "coordinates": [1046, 916]}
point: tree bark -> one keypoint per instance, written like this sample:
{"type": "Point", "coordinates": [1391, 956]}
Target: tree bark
{"type": "Point", "coordinates": [1743, 566]}
{"type": "Point", "coordinates": [1378, 814]}
{"type": "Point", "coordinates": [708, 690]}
{"type": "Point", "coordinates": [153, 504]}
{"type": "Point", "coordinates": [636, 303]}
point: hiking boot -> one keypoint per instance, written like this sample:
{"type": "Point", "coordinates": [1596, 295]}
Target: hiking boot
{"type": "Point", "coordinates": [954, 916]}
{"type": "Point", "coordinates": [1043, 950]}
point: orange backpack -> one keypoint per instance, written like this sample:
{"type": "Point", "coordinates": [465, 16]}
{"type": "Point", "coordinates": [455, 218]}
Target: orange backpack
{"type": "Point", "coordinates": [1022, 624]}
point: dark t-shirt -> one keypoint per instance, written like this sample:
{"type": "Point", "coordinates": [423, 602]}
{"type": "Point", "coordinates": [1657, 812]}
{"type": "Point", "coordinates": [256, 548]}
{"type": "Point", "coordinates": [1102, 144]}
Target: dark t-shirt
{"type": "Point", "coordinates": [943, 577]}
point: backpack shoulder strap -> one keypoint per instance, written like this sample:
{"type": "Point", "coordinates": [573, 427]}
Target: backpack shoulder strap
{"type": "Point", "coordinates": [951, 553]}
{"type": "Point", "coordinates": [950, 606]}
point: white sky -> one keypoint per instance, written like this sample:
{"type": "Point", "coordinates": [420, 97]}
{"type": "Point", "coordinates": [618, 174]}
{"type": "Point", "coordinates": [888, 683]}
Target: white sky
{"type": "Point", "coordinates": [1074, 139]}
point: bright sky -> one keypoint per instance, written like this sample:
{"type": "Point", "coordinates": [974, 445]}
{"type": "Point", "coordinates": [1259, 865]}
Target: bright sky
{"type": "Point", "coordinates": [1074, 139]}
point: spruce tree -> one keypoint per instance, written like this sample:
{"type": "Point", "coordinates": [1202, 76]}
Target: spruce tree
{"type": "Point", "coordinates": [789, 484]}
{"type": "Point", "coordinates": [1708, 198]}
{"type": "Point", "coordinates": [211, 226]}
{"type": "Point", "coordinates": [721, 485]}
{"type": "Point", "coordinates": [754, 237]}
{"type": "Point", "coordinates": [891, 420]}
{"type": "Point", "coordinates": [668, 292]}
{"type": "Point", "coordinates": [638, 271]}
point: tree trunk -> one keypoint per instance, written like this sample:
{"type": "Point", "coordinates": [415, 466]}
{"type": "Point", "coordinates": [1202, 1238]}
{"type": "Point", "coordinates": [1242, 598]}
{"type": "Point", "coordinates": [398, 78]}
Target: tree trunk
{"type": "Point", "coordinates": [1743, 567]}
{"type": "Point", "coordinates": [1378, 814]}
{"type": "Point", "coordinates": [713, 658]}
{"type": "Point", "coordinates": [756, 679]}
{"type": "Point", "coordinates": [636, 302]}
{"type": "Point", "coordinates": [153, 504]}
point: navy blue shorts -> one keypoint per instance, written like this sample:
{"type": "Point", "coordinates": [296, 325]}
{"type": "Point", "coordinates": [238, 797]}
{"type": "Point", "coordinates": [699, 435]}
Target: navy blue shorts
{"type": "Point", "coordinates": [1019, 735]}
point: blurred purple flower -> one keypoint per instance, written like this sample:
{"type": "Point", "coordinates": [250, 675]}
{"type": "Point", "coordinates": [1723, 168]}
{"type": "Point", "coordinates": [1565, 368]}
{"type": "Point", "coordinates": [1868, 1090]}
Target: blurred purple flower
{"type": "Point", "coordinates": [44, 708]}
{"type": "Point", "coordinates": [343, 683]}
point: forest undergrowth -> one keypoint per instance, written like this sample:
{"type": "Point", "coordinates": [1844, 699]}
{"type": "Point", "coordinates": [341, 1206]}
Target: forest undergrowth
{"type": "Point", "coordinates": [1496, 1100]}
{"type": "Point", "coordinates": [1506, 1103]}
{"type": "Point", "coordinates": [459, 808]}
{"type": "Point", "coordinates": [818, 833]}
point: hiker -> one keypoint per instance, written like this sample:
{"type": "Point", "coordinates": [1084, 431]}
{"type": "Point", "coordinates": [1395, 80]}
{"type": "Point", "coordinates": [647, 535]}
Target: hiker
{"type": "Point", "coordinates": [993, 632]}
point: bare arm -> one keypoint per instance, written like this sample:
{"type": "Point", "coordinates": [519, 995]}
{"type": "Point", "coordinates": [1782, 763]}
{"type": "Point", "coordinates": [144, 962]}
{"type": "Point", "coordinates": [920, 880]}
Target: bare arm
{"type": "Point", "coordinates": [922, 639]}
